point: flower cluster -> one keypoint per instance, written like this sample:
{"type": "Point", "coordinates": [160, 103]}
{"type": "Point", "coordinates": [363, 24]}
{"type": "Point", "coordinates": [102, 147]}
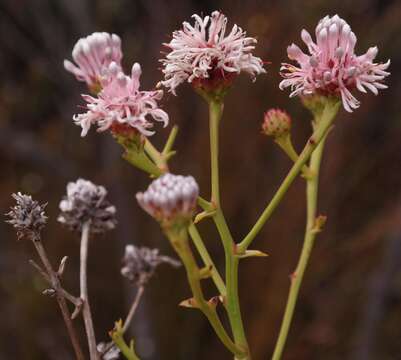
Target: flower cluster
{"type": "Point", "coordinates": [85, 202]}
{"type": "Point", "coordinates": [332, 68]}
{"type": "Point", "coordinates": [28, 217]}
{"type": "Point", "coordinates": [120, 104]}
{"type": "Point", "coordinates": [140, 263]}
{"type": "Point", "coordinates": [93, 55]}
{"type": "Point", "coordinates": [205, 52]}
{"type": "Point", "coordinates": [170, 197]}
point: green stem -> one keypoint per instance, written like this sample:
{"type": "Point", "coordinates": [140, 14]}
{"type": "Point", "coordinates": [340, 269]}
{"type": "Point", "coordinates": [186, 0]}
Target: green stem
{"type": "Point", "coordinates": [179, 240]}
{"type": "Point", "coordinates": [310, 235]}
{"type": "Point", "coordinates": [170, 141]}
{"type": "Point", "coordinates": [286, 144]}
{"type": "Point", "coordinates": [231, 260]}
{"type": "Point", "coordinates": [321, 130]}
{"type": "Point", "coordinates": [232, 299]}
{"type": "Point", "coordinates": [205, 205]}
{"type": "Point", "coordinates": [140, 160]}
{"type": "Point", "coordinates": [215, 114]}
{"type": "Point", "coordinates": [200, 247]}
{"type": "Point", "coordinates": [117, 336]}
{"type": "Point", "coordinates": [157, 157]}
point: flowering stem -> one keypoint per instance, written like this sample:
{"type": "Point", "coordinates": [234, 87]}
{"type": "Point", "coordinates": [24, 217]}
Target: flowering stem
{"type": "Point", "coordinates": [312, 228]}
{"type": "Point", "coordinates": [215, 114]}
{"type": "Point", "coordinates": [86, 311]}
{"type": "Point", "coordinates": [232, 298]}
{"type": "Point", "coordinates": [179, 240]}
{"type": "Point", "coordinates": [321, 130]}
{"type": "Point", "coordinates": [200, 246]}
{"type": "Point", "coordinates": [55, 283]}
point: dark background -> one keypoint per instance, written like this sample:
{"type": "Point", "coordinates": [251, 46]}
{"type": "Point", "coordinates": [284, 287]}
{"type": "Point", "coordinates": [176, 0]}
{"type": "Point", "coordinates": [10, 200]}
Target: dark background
{"type": "Point", "coordinates": [350, 302]}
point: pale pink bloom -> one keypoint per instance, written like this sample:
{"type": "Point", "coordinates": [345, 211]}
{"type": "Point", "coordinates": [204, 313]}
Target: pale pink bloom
{"type": "Point", "coordinates": [331, 67]}
{"type": "Point", "coordinates": [93, 55]}
{"type": "Point", "coordinates": [198, 51]}
{"type": "Point", "coordinates": [121, 104]}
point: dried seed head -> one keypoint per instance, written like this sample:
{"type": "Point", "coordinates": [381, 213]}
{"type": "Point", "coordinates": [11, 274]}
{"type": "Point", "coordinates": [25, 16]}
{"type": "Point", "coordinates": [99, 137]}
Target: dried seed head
{"type": "Point", "coordinates": [170, 198]}
{"type": "Point", "coordinates": [276, 123]}
{"type": "Point", "coordinates": [140, 263]}
{"type": "Point", "coordinates": [28, 217]}
{"type": "Point", "coordinates": [84, 202]}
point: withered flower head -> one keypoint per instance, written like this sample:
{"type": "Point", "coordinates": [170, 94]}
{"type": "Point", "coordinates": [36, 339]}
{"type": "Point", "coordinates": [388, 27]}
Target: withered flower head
{"type": "Point", "coordinates": [27, 216]}
{"type": "Point", "coordinates": [85, 202]}
{"type": "Point", "coordinates": [140, 263]}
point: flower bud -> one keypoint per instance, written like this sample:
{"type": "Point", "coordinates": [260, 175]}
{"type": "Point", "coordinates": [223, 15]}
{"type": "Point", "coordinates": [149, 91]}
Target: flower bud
{"type": "Point", "coordinates": [28, 217]}
{"type": "Point", "coordinates": [170, 198]}
{"type": "Point", "coordinates": [276, 123]}
{"type": "Point", "coordinates": [85, 202]}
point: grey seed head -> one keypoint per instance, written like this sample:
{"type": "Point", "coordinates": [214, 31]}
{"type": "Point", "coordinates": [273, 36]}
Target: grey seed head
{"type": "Point", "coordinates": [140, 263]}
{"type": "Point", "coordinates": [27, 216]}
{"type": "Point", "coordinates": [85, 202]}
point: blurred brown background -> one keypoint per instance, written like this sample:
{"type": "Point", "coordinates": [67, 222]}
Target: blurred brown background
{"type": "Point", "coordinates": [350, 304]}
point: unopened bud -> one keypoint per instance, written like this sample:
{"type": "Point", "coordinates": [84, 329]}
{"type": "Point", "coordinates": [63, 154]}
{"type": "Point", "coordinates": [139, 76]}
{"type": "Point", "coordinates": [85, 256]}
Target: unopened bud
{"type": "Point", "coordinates": [276, 123]}
{"type": "Point", "coordinates": [170, 198]}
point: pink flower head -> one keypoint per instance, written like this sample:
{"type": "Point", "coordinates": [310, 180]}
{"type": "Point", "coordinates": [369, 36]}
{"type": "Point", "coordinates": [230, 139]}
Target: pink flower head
{"type": "Point", "coordinates": [332, 68]}
{"type": "Point", "coordinates": [205, 51]}
{"type": "Point", "coordinates": [93, 55]}
{"type": "Point", "coordinates": [121, 105]}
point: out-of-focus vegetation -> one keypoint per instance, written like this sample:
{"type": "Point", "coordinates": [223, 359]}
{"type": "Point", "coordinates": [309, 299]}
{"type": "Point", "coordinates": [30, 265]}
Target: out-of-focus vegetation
{"type": "Point", "coordinates": [350, 305]}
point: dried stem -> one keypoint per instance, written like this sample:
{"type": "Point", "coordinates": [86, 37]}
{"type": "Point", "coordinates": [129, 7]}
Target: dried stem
{"type": "Point", "coordinates": [51, 276]}
{"type": "Point", "coordinates": [129, 317]}
{"type": "Point", "coordinates": [86, 312]}
{"type": "Point", "coordinates": [133, 308]}
{"type": "Point", "coordinates": [77, 302]}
